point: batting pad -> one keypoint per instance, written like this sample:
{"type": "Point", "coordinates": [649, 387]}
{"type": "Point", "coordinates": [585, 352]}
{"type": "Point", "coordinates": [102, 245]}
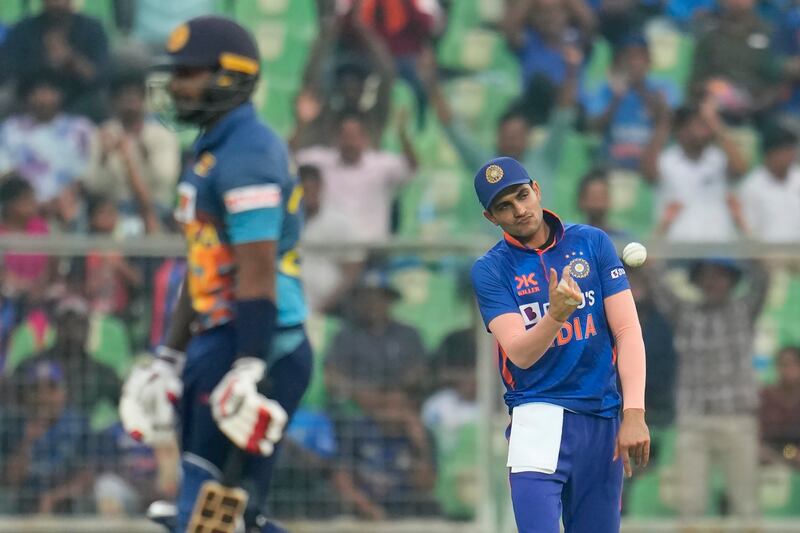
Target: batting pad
{"type": "Point", "coordinates": [217, 508]}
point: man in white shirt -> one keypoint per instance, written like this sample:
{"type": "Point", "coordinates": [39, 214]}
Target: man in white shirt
{"type": "Point", "coordinates": [327, 276]}
{"type": "Point", "coordinates": [694, 202]}
{"type": "Point", "coordinates": [770, 196]}
{"type": "Point", "coordinates": [359, 181]}
{"type": "Point", "coordinates": [135, 155]}
{"type": "Point", "coordinates": [49, 148]}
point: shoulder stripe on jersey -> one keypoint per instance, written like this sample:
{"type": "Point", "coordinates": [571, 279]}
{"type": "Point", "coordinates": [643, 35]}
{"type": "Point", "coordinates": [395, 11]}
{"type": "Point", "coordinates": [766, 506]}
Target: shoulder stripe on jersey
{"type": "Point", "coordinates": [505, 372]}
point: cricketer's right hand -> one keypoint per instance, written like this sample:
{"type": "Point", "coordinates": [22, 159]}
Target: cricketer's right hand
{"type": "Point", "coordinates": [565, 295]}
{"type": "Point", "coordinates": [147, 403]}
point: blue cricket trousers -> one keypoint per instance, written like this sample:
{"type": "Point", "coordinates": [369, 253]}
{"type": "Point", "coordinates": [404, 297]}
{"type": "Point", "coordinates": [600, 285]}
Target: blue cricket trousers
{"type": "Point", "coordinates": [585, 489]}
{"type": "Point", "coordinates": [204, 447]}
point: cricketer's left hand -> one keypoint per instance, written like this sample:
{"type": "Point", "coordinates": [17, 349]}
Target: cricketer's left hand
{"type": "Point", "coordinates": [633, 441]}
{"type": "Point", "coordinates": [249, 419]}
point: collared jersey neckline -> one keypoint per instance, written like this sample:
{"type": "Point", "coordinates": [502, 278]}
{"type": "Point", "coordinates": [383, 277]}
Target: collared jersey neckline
{"type": "Point", "coordinates": [552, 220]}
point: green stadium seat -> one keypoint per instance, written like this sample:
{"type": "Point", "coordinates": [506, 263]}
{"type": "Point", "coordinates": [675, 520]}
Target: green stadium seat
{"type": "Point", "coordinates": [321, 331]}
{"type": "Point", "coordinates": [574, 164]}
{"type": "Point", "coordinates": [431, 302]}
{"type": "Point", "coordinates": [596, 71]}
{"type": "Point", "coordinates": [12, 11]}
{"type": "Point", "coordinates": [32, 336]}
{"type": "Point", "coordinates": [298, 15]}
{"type": "Point", "coordinates": [632, 203]}
{"type": "Point", "coordinates": [457, 472]}
{"type": "Point", "coordinates": [780, 492]}
{"type": "Point", "coordinates": [671, 52]}
{"type": "Point", "coordinates": [643, 498]}
{"type": "Point", "coordinates": [789, 315]}
{"type": "Point", "coordinates": [109, 343]}
{"type": "Point", "coordinates": [275, 100]}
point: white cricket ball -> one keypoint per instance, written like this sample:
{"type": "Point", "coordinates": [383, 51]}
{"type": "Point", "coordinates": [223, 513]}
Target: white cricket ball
{"type": "Point", "coordinates": [634, 254]}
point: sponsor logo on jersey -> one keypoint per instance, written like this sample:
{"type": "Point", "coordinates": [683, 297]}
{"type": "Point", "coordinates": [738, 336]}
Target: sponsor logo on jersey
{"type": "Point", "coordinates": [526, 284]}
{"type": "Point", "coordinates": [187, 202]}
{"type": "Point", "coordinates": [252, 197]}
{"type": "Point", "coordinates": [533, 312]}
{"type": "Point", "coordinates": [617, 272]}
{"type": "Point", "coordinates": [204, 164]}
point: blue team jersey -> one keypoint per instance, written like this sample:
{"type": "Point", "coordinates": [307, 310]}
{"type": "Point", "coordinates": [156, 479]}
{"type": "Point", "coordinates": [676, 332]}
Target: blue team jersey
{"type": "Point", "coordinates": [578, 371]}
{"type": "Point", "coordinates": [239, 189]}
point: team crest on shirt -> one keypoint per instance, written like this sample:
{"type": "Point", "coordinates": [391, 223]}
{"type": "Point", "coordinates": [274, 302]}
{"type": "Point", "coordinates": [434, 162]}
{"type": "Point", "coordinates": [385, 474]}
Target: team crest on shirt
{"type": "Point", "coordinates": [204, 164]}
{"type": "Point", "coordinates": [494, 174]}
{"type": "Point", "coordinates": [178, 38]}
{"type": "Point", "coordinates": [579, 268]}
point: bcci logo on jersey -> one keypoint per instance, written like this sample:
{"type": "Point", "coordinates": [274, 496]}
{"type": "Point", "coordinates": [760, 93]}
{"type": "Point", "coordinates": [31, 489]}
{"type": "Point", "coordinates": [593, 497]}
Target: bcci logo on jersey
{"type": "Point", "coordinates": [533, 312]}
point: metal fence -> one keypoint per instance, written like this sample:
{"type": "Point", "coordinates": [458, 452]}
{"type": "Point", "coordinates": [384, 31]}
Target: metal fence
{"type": "Point", "coordinates": [402, 427]}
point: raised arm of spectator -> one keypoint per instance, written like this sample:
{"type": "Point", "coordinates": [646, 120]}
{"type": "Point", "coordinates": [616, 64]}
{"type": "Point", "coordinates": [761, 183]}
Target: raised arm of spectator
{"type": "Point", "coordinates": [328, 34]}
{"type": "Point", "coordinates": [471, 152]}
{"type": "Point", "coordinates": [648, 165]}
{"type": "Point", "coordinates": [381, 60]}
{"type": "Point", "coordinates": [737, 164]}
{"type": "Point", "coordinates": [427, 72]}
{"type": "Point", "coordinates": [515, 21]}
{"type": "Point", "coordinates": [563, 118]}
{"type": "Point", "coordinates": [409, 152]}
{"type": "Point", "coordinates": [307, 109]}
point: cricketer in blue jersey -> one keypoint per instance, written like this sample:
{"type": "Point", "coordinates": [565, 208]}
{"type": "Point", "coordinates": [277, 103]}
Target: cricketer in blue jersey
{"type": "Point", "coordinates": [236, 361]}
{"type": "Point", "coordinates": [561, 345]}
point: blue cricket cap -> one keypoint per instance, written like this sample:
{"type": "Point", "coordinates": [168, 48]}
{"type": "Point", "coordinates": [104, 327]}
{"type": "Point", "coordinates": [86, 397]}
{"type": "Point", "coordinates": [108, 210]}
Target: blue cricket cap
{"type": "Point", "coordinates": [496, 175]}
{"type": "Point", "coordinates": [213, 42]}
{"type": "Point", "coordinates": [44, 370]}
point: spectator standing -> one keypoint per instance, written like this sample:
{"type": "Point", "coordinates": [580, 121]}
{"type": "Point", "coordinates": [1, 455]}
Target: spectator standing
{"type": "Point", "coordinates": [733, 60]}
{"type": "Point", "coordinates": [359, 180]}
{"type": "Point", "coordinates": [537, 32]}
{"type": "Point", "coordinates": [780, 409]}
{"type": "Point", "coordinates": [49, 148]}
{"type": "Point", "coordinates": [327, 276]}
{"type": "Point", "coordinates": [693, 175]}
{"type": "Point", "coordinates": [626, 108]}
{"type": "Point", "coordinates": [407, 27]}
{"type": "Point", "coordinates": [717, 394]}
{"type": "Point", "coordinates": [359, 84]}
{"type": "Point", "coordinates": [770, 195]}
{"type": "Point", "coordinates": [72, 48]}
{"type": "Point", "coordinates": [137, 161]}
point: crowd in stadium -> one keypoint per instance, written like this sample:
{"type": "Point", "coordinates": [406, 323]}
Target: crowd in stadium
{"type": "Point", "coordinates": [700, 146]}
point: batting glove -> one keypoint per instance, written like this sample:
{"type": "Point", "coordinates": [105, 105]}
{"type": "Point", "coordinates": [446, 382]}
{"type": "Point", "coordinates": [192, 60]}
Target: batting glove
{"type": "Point", "coordinates": [147, 403]}
{"type": "Point", "coordinates": [249, 419]}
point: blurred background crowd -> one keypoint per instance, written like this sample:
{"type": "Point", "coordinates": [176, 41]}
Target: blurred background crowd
{"type": "Point", "coordinates": [668, 120]}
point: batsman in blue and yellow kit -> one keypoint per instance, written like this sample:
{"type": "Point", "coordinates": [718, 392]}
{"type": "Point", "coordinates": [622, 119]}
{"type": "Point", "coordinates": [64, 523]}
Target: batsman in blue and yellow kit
{"type": "Point", "coordinates": [236, 361]}
{"type": "Point", "coordinates": [562, 343]}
